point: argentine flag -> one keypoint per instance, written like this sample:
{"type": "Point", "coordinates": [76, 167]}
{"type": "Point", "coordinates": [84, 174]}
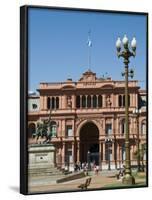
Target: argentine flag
{"type": "Point", "coordinates": [89, 43]}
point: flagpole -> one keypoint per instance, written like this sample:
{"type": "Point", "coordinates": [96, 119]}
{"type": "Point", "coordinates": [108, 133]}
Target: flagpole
{"type": "Point", "coordinates": [89, 57]}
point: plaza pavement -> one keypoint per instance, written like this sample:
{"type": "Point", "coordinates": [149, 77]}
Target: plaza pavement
{"type": "Point", "coordinates": [99, 181]}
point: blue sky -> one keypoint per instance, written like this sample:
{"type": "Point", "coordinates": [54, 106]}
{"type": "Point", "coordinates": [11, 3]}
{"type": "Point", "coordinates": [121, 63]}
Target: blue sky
{"type": "Point", "coordinates": [58, 45]}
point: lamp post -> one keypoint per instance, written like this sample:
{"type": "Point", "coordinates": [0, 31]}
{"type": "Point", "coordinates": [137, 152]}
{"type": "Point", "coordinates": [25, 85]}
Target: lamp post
{"type": "Point", "coordinates": [108, 141]}
{"type": "Point", "coordinates": [136, 113]}
{"type": "Point", "coordinates": [126, 53]}
{"type": "Point", "coordinates": [88, 160]}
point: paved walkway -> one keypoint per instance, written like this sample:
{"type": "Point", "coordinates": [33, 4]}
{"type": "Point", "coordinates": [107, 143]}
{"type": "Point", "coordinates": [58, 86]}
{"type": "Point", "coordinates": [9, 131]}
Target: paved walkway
{"type": "Point", "coordinates": [97, 182]}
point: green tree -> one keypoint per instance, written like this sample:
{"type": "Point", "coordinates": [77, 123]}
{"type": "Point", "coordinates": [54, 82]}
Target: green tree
{"type": "Point", "coordinates": [139, 154]}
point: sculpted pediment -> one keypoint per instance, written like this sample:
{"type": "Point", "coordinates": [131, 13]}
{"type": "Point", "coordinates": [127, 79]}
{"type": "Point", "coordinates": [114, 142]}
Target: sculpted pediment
{"type": "Point", "coordinates": [107, 86]}
{"type": "Point", "coordinates": [68, 87]}
{"type": "Point", "coordinates": [88, 76]}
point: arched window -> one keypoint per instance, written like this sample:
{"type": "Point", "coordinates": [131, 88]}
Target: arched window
{"type": "Point", "coordinates": [99, 101]}
{"type": "Point", "coordinates": [53, 129]}
{"type": "Point", "coordinates": [108, 129]}
{"type": "Point", "coordinates": [94, 101]}
{"type": "Point", "coordinates": [31, 130]}
{"type": "Point", "coordinates": [78, 101]}
{"type": "Point", "coordinates": [123, 100]}
{"type": "Point", "coordinates": [120, 100]}
{"type": "Point", "coordinates": [57, 102]}
{"type": "Point", "coordinates": [83, 101]}
{"type": "Point", "coordinates": [123, 152]}
{"type": "Point", "coordinates": [122, 127]}
{"type": "Point", "coordinates": [89, 101]}
{"type": "Point", "coordinates": [143, 127]}
{"type": "Point", "coordinates": [128, 100]}
{"type": "Point", "coordinates": [69, 131]}
{"type": "Point", "coordinates": [48, 103]}
{"type": "Point", "coordinates": [53, 103]}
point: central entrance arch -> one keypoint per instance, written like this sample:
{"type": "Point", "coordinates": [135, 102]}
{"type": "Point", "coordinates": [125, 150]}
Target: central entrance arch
{"type": "Point", "coordinates": [89, 143]}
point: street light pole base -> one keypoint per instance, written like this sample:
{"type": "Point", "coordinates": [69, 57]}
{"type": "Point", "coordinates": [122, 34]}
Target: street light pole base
{"type": "Point", "coordinates": [128, 179]}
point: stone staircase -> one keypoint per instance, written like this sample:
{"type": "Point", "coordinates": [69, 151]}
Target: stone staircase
{"type": "Point", "coordinates": [40, 176]}
{"type": "Point", "coordinates": [44, 171]}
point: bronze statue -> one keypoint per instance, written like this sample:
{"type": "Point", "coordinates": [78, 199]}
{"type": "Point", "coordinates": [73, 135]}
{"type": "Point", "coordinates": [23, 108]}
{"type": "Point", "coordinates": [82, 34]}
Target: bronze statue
{"type": "Point", "coordinates": [43, 130]}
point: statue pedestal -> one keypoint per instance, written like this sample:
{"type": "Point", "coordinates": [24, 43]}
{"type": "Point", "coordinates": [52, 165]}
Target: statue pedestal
{"type": "Point", "coordinates": [41, 158]}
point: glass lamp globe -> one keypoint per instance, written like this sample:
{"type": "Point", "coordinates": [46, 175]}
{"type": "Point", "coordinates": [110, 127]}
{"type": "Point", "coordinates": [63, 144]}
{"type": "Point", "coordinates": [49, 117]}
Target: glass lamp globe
{"type": "Point", "coordinates": [118, 44]}
{"type": "Point", "coordinates": [125, 40]}
{"type": "Point", "coordinates": [134, 43]}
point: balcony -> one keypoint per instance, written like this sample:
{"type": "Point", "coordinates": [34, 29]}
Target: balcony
{"type": "Point", "coordinates": [84, 110]}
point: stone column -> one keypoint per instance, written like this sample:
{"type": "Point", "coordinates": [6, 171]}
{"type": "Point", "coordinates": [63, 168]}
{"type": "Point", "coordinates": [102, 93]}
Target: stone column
{"type": "Point", "coordinates": [116, 100]}
{"type": "Point", "coordinates": [73, 154]}
{"type": "Point", "coordinates": [63, 154]}
{"type": "Point", "coordinates": [45, 102]}
{"type": "Point", "coordinates": [60, 157]}
{"type": "Point", "coordinates": [131, 127]}
{"type": "Point", "coordinates": [62, 106]}
{"type": "Point", "coordinates": [134, 150]}
{"type": "Point", "coordinates": [130, 100]}
{"type": "Point", "coordinates": [59, 128]}
{"type": "Point", "coordinates": [118, 154]}
{"type": "Point", "coordinates": [64, 102]}
{"type": "Point", "coordinates": [104, 151]}
{"type": "Point", "coordinates": [116, 126]}
{"type": "Point", "coordinates": [135, 126]}
{"type": "Point", "coordinates": [73, 128]}
{"type": "Point", "coordinates": [78, 151]}
{"type": "Point", "coordinates": [86, 99]}
{"type": "Point", "coordinates": [131, 153]}
{"type": "Point", "coordinates": [113, 126]}
{"type": "Point", "coordinates": [112, 100]}
{"type": "Point", "coordinates": [113, 152]}
{"type": "Point", "coordinates": [91, 101]}
{"type": "Point", "coordinates": [80, 101]}
{"type": "Point", "coordinates": [55, 103]}
{"type": "Point", "coordinates": [63, 129]}
{"type": "Point", "coordinates": [104, 101]}
{"type": "Point", "coordinates": [73, 101]}
{"type": "Point", "coordinates": [97, 101]}
{"type": "Point", "coordinates": [100, 153]}
{"type": "Point", "coordinates": [134, 100]}
{"type": "Point", "coordinates": [135, 147]}
{"type": "Point", "coordinates": [104, 127]}
{"type": "Point", "coordinates": [60, 102]}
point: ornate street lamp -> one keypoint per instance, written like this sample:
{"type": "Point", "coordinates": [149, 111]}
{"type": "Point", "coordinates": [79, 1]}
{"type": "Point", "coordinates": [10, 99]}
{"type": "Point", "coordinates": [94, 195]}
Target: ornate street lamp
{"type": "Point", "coordinates": [126, 53]}
{"type": "Point", "coordinates": [136, 113]}
{"type": "Point", "coordinates": [108, 141]}
{"type": "Point", "coordinates": [88, 160]}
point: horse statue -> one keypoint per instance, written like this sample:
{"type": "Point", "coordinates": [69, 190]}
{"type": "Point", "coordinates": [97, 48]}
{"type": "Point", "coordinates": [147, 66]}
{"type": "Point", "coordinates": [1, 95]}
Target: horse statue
{"type": "Point", "coordinates": [43, 130]}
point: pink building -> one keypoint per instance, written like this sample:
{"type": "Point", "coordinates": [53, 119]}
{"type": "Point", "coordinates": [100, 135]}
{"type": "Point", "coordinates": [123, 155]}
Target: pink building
{"type": "Point", "coordinates": [88, 119]}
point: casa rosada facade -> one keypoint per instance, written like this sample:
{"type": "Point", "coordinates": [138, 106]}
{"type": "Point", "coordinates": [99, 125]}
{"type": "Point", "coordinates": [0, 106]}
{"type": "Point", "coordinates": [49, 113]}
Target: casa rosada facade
{"type": "Point", "coordinates": [88, 120]}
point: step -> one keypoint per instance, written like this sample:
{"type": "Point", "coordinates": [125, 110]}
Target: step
{"type": "Point", "coordinates": [36, 171]}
